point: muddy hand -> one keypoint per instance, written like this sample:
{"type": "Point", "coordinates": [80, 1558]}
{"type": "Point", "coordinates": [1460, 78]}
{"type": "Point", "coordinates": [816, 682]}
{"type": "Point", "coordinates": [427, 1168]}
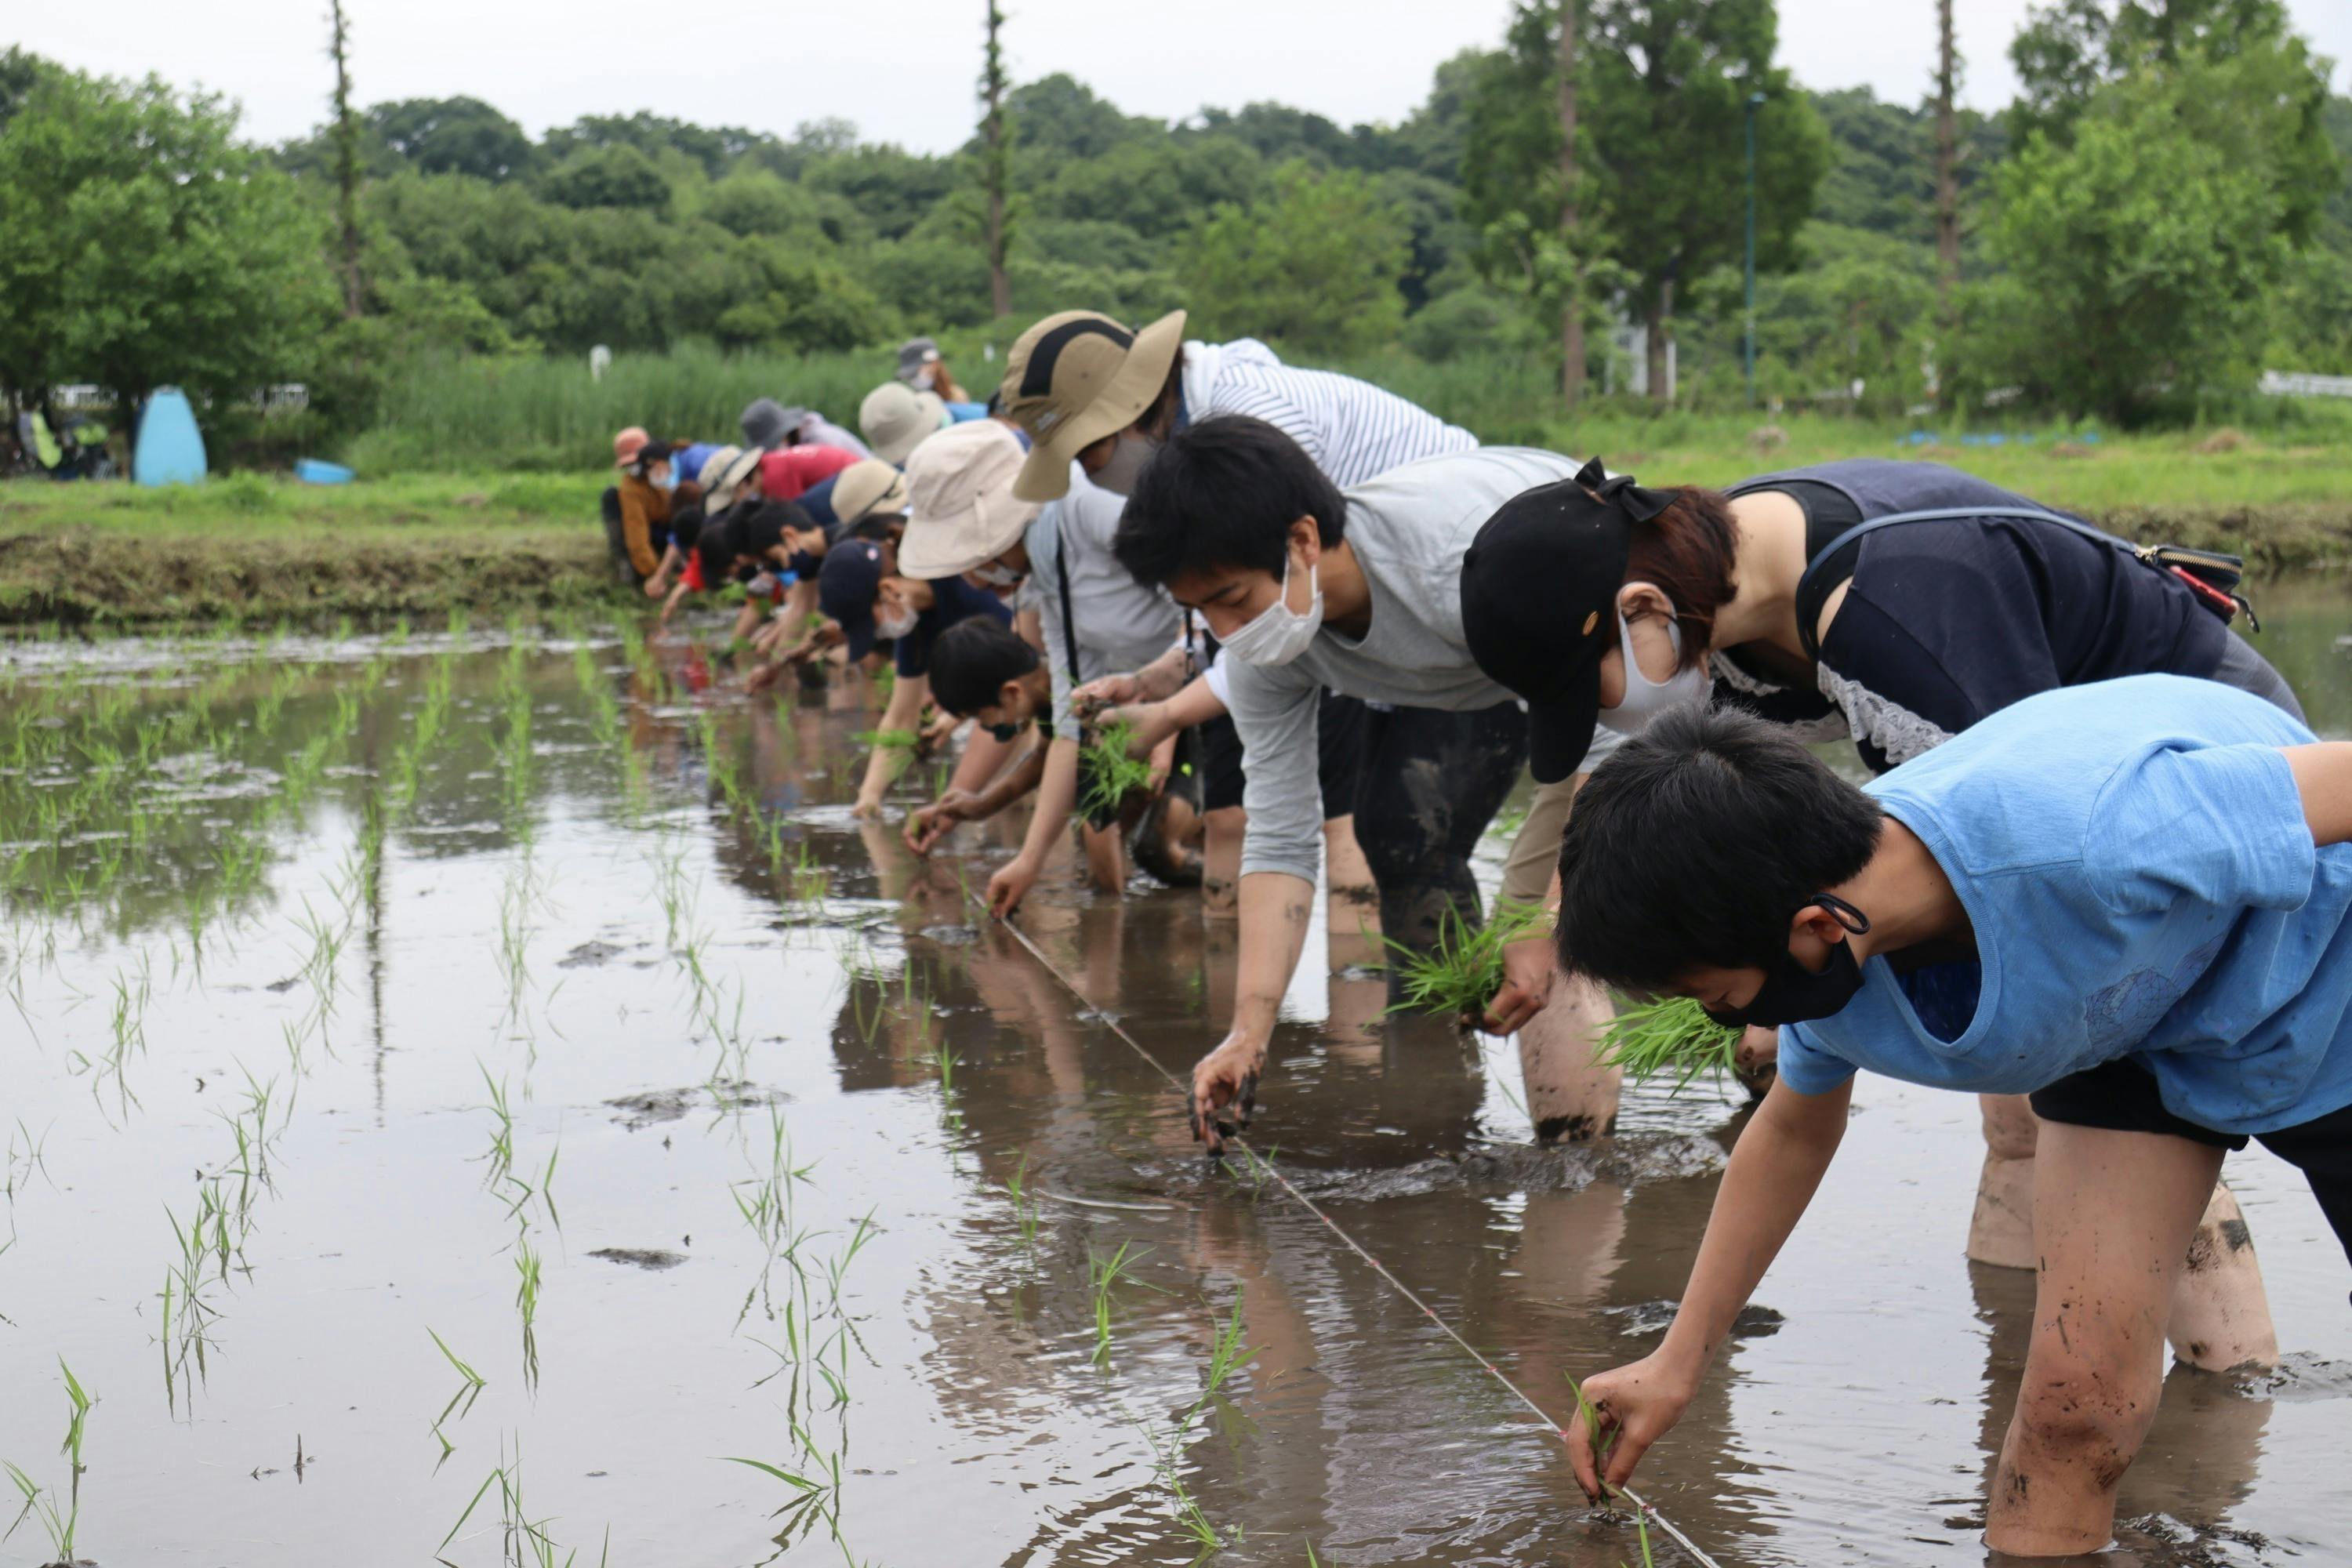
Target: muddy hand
{"type": "Point", "coordinates": [1010, 886]}
{"type": "Point", "coordinates": [1225, 1076]}
{"type": "Point", "coordinates": [1087, 701]}
{"type": "Point", "coordinates": [1635, 1406]}
{"type": "Point", "coordinates": [1528, 971]}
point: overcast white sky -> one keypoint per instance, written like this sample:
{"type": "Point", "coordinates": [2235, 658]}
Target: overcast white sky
{"type": "Point", "coordinates": [904, 73]}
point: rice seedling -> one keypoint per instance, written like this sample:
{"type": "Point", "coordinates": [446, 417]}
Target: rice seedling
{"type": "Point", "coordinates": [1459, 975]}
{"type": "Point", "coordinates": [468, 1390]}
{"type": "Point", "coordinates": [59, 1525]}
{"type": "Point", "coordinates": [527, 1271]}
{"type": "Point", "coordinates": [1103, 1274]}
{"type": "Point", "coordinates": [1670, 1035]}
{"type": "Point", "coordinates": [1108, 774]}
{"type": "Point", "coordinates": [1024, 1203]}
{"type": "Point", "coordinates": [888, 739]}
{"type": "Point", "coordinates": [836, 1269]}
{"type": "Point", "coordinates": [501, 1151]}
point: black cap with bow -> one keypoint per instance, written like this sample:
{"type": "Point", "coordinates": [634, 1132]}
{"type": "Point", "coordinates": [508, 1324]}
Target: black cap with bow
{"type": "Point", "coordinates": [1540, 602]}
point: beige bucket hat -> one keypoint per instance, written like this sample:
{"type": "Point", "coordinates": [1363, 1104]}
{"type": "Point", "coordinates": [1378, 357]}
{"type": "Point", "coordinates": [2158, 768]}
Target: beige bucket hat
{"type": "Point", "coordinates": [866, 489]}
{"type": "Point", "coordinates": [896, 419]}
{"type": "Point", "coordinates": [963, 509]}
{"type": "Point", "coordinates": [1076, 377]}
{"type": "Point", "coordinates": [723, 473]}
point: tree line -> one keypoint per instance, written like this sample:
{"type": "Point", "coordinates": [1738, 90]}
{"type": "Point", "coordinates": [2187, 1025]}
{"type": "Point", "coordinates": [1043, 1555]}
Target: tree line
{"type": "Point", "coordinates": [2162, 212]}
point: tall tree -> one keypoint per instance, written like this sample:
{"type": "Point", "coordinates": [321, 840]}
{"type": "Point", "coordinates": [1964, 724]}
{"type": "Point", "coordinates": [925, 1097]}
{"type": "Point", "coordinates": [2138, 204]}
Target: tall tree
{"type": "Point", "coordinates": [1670, 82]}
{"type": "Point", "coordinates": [1571, 309]}
{"type": "Point", "coordinates": [347, 163]}
{"type": "Point", "coordinates": [996, 164]}
{"type": "Point", "coordinates": [1947, 163]}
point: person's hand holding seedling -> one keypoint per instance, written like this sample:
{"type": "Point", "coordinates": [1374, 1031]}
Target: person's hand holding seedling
{"type": "Point", "coordinates": [1622, 1412]}
{"type": "Point", "coordinates": [1225, 1077]}
{"type": "Point", "coordinates": [1109, 691]}
{"type": "Point", "coordinates": [1011, 885]}
{"type": "Point", "coordinates": [926, 824]}
{"type": "Point", "coordinates": [1530, 968]}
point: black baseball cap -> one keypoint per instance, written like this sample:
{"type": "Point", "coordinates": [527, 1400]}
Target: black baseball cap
{"type": "Point", "coordinates": [1540, 602]}
{"type": "Point", "coordinates": [846, 586]}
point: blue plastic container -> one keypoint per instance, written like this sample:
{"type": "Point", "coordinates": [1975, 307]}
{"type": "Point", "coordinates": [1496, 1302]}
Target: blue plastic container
{"type": "Point", "coordinates": [312, 471]}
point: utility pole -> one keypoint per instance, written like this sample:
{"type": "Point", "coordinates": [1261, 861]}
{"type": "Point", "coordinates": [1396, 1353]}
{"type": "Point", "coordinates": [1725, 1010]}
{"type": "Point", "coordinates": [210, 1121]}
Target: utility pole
{"type": "Point", "coordinates": [996, 159]}
{"type": "Point", "coordinates": [1947, 167]}
{"type": "Point", "coordinates": [1754, 100]}
{"type": "Point", "coordinates": [347, 162]}
{"type": "Point", "coordinates": [1571, 310]}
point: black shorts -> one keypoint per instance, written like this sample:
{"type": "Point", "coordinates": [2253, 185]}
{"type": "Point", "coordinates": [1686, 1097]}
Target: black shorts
{"type": "Point", "coordinates": [2121, 1095]}
{"type": "Point", "coordinates": [1340, 743]}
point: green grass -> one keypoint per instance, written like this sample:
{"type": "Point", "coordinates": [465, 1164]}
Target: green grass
{"type": "Point", "coordinates": [1671, 1035]}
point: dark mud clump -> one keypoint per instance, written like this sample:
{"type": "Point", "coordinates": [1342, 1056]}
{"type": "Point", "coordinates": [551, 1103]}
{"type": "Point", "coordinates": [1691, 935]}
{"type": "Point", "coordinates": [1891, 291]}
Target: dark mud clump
{"type": "Point", "coordinates": [659, 1105]}
{"type": "Point", "coordinates": [589, 955]}
{"type": "Point", "coordinates": [1511, 1168]}
{"type": "Point", "coordinates": [2299, 1375]}
{"type": "Point", "coordinates": [652, 1259]}
{"type": "Point", "coordinates": [951, 935]}
{"type": "Point", "coordinates": [1754, 1322]}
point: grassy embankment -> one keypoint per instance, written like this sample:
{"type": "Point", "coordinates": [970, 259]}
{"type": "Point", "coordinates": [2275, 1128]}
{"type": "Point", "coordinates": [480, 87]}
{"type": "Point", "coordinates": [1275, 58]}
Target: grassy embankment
{"type": "Point", "coordinates": [491, 471]}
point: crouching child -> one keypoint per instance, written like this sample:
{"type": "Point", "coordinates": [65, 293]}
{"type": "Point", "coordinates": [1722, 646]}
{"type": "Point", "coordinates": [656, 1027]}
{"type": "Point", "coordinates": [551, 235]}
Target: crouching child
{"type": "Point", "coordinates": [2131, 900]}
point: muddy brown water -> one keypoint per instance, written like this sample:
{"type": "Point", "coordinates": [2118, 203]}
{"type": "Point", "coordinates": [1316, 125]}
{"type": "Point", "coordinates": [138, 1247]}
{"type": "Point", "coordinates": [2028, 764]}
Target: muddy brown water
{"type": "Point", "coordinates": [738, 1024]}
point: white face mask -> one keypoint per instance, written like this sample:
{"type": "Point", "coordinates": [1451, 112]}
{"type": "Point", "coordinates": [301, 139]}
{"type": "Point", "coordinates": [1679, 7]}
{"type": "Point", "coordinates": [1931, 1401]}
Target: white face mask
{"type": "Point", "coordinates": [894, 623]}
{"type": "Point", "coordinates": [1279, 634]}
{"type": "Point", "coordinates": [927, 378]}
{"type": "Point", "coordinates": [1645, 699]}
{"type": "Point", "coordinates": [1128, 457]}
{"type": "Point", "coordinates": [996, 575]}
{"type": "Point", "coordinates": [761, 584]}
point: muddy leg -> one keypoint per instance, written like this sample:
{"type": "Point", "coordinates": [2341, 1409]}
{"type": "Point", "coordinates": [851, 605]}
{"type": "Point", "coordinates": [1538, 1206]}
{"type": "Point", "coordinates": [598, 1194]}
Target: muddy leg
{"type": "Point", "coordinates": [1569, 1096]}
{"type": "Point", "coordinates": [1221, 867]}
{"type": "Point", "coordinates": [2001, 1233]}
{"type": "Point", "coordinates": [2113, 1219]}
{"type": "Point", "coordinates": [1106, 857]}
{"type": "Point", "coordinates": [2221, 1313]}
{"type": "Point", "coordinates": [1352, 908]}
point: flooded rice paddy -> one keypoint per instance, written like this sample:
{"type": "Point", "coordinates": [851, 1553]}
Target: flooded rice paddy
{"type": "Point", "coordinates": [477, 1094]}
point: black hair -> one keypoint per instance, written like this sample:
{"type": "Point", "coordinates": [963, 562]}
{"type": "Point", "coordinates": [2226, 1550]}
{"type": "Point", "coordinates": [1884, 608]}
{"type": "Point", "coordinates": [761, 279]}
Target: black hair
{"type": "Point", "coordinates": [1222, 494]}
{"type": "Point", "coordinates": [881, 527]}
{"type": "Point", "coordinates": [761, 529]}
{"type": "Point", "coordinates": [1697, 842]}
{"type": "Point", "coordinates": [971, 662]}
{"type": "Point", "coordinates": [686, 525]}
{"type": "Point", "coordinates": [715, 546]}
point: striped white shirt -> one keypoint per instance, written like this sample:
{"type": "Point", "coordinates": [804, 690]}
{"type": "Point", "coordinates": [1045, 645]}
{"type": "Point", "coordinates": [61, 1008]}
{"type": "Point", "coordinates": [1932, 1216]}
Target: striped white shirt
{"type": "Point", "coordinates": [1354, 431]}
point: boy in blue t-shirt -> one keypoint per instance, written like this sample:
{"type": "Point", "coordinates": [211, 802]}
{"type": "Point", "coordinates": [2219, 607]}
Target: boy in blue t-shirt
{"type": "Point", "coordinates": [2131, 899]}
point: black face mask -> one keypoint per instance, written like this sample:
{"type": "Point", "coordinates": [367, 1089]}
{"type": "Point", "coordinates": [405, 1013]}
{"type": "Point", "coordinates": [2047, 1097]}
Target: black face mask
{"type": "Point", "coordinates": [1006, 734]}
{"type": "Point", "coordinates": [1791, 993]}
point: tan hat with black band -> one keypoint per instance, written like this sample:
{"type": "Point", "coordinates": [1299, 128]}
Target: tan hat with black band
{"type": "Point", "coordinates": [1076, 377]}
{"type": "Point", "coordinates": [868, 488]}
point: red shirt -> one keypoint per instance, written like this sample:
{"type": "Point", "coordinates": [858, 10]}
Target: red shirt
{"type": "Point", "coordinates": [787, 471]}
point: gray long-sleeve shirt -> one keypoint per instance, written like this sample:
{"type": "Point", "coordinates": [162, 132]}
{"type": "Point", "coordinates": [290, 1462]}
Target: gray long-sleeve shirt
{"type": "Point", "coordinates": [1408, 529]}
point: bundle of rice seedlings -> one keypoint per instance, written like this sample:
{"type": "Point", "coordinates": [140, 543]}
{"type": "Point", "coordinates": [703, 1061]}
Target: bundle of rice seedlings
{"type": "Point", "coordinates": [1671, 1035]}
{"type": "Point", "coordinates": [1108, 774]}
{"type": "Point", "coordinates": [1459, 976]}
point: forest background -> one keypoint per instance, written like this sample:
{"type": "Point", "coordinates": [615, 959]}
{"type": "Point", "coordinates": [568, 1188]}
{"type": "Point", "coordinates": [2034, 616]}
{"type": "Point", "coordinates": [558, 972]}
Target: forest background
{"type": "Point", "coordinates": [2163, 215]}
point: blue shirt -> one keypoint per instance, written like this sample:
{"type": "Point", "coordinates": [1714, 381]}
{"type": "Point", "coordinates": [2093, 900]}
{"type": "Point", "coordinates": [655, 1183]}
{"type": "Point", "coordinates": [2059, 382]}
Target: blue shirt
{"type": "Point", "coordinates": [963, 413]}
{"type": "Point", "coordinates": [953, 599]}
{"type": "Point", "coordinates": [2134, 858]}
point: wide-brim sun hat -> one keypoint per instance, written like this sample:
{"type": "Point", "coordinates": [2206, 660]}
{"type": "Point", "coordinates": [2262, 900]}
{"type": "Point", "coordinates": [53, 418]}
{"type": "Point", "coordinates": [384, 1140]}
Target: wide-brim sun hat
{"type": "Point", "coordinates": [1075, 377]}
{"type": "Point", "coordinates": [866, 488]}
{"type": "Point", "coordinates": [896, 419]}
{"type": "Point", "coordinates": [730, 466]}
{"type": "Point", "coordinates": [962, 510]}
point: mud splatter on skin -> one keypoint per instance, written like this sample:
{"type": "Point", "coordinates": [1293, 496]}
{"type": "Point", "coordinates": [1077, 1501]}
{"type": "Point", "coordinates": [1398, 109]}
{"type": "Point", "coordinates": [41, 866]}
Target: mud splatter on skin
{"type": "Point", "coordinates": [1572, 1129]}
{"type": "Point", "coordinates": [2235, 1233]}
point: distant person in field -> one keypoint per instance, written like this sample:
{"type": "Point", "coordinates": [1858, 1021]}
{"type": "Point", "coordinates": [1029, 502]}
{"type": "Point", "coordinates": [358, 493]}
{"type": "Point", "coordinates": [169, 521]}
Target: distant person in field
{"type": "Point", "coordinates": [921, 367]}
{"type": "Point", "coordinates": [770, 427]}
{"type": "Point", "coordinates": [2130, 901]}
{"type": "Point", "coordinates": [637, 508]}
{"type": "Point", "coordinates": [1601, 598]}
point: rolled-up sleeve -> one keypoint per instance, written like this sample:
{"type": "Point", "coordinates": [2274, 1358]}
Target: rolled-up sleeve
{"type": "Point", "coordinates": [1275, 711]}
